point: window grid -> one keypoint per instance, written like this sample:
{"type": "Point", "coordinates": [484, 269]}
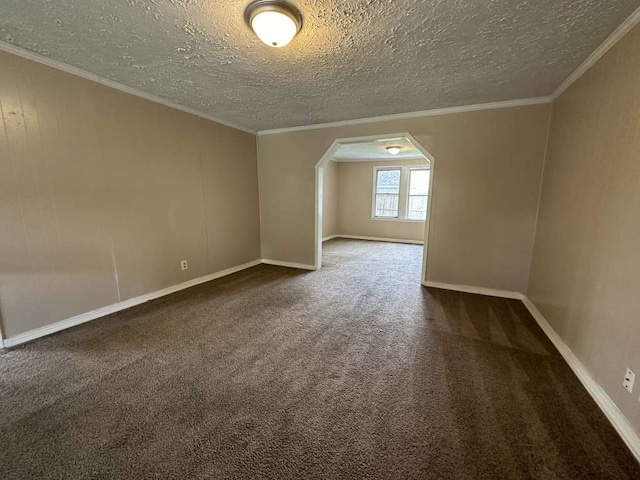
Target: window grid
{"type": "Point", "coordinates": [418, 194]}
{"type": "Point", "coordinates": [401, 193]}
{"type": "Point", "coordinates": [387, 200]}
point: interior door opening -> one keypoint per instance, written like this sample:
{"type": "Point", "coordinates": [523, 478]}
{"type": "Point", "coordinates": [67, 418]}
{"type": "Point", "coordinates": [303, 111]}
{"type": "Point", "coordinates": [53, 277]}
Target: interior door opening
{"type": "Point", "coordinates": [377, 189]}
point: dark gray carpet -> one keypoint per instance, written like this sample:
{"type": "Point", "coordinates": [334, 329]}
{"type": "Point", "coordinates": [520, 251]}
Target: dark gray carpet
{"type": "Point", "coordinates": [352, 372]}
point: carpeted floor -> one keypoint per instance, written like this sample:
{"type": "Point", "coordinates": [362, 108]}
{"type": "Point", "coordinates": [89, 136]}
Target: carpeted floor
{"type": "Point", "coordinates": [352, 372]}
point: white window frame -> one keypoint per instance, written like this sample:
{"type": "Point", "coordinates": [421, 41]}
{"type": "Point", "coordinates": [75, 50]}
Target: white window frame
{"type": "Point", "coordinates": [403, 199]}
{"type": "Point", "coordinates": [412, 169]}
{"type": "Point", "coordinates": [375, 192]}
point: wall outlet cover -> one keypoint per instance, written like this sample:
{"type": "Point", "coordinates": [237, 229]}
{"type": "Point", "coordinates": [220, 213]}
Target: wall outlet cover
{"type": "Point", "coordinates": [629, 379]}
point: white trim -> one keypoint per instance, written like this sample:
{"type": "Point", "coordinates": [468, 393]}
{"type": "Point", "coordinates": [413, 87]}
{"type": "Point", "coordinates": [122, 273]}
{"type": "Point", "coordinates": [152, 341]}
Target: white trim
{"type": "Point", "coordinates": [429, 223]}
{"type": "Point", "coordinates": [403, 191]}
{"type": "Point", "coordinates": [545, 154]}
{"type": "Point", "coordinates": [330, 237]}
{"type": "Point", "coordinates": [116, 307]}
{"type": "Point", "coordinates": [401, 188]}
{"type": "Point", "coordinates": [617, 35]}
{"type": "Point", "coordinates": [380, 239]}
{"type": "Point", "coordinates": [608, 407]}
{"type": "Point", "coordinates": [279, 263]}
{"type": "Point", "coordinates": [396, 219]}
{"type": "Point", "coordinates": [21, 52]}
{"type": "Point", "coordinates": [318, 206]}
{"type": "Point", "coordinates": [404, 116]}
{"type": "Point", "coordinates": [491, 292]}
{"type": "Point", "coordinates": [385, 159]}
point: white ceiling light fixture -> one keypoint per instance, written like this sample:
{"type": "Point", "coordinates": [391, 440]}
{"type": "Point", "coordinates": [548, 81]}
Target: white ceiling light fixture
{"type": "Point", "coordinates": [275, 22]}
{"type": "Point", "coordinates": [394, 150]}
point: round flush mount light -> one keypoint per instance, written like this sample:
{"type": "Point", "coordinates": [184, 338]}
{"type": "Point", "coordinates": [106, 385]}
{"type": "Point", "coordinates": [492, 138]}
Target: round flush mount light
{"type": "Point", "coordinates": [275, 22]}
{"type": "Point", "coordinates": [394, 150]}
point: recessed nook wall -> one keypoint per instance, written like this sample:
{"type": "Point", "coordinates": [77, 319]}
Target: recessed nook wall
{"type": "Point", "coordinates": [355, 190]}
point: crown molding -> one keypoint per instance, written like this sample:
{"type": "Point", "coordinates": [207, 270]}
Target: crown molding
{"type": "Point", "coordinates": [49, 62]}
{"type": "Point", "coordinates": [617, 35]}
{"type": "Point", "coordinates": [404, 116]}
{"type": "Point", "coordinates": [413, 158]}
{"type": "Point", "coordinates": [624, 28]}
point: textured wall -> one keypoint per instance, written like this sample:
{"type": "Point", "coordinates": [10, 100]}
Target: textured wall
{"type": "Point", "coordinates": [355, 190]}
{"type": "Point", "coordinates": [352, 59]}
{"type": "Point", "coordinates": [487, 181]}
{"type": "Point", "coordinates": [330, 200]}
{"type": "Point", "coordinates": [585, 272]}
{"type": "Point", "coordinates": [102, 194]}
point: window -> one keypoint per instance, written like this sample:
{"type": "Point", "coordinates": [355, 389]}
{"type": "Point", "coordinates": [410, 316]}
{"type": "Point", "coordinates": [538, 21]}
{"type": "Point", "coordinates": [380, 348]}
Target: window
{"type": "Point", "coordinates": [418, 191]}
{"type": "Point", "coordinates": [401, 193]}
{"type": "Point", "coordinates": [387, 192]}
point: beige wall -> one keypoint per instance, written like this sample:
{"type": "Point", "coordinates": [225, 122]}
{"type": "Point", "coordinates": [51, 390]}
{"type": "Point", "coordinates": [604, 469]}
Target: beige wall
{"type": "Point", "coordinates": [102, 194]}
{"type": "Point", "coordinates": [585, 276]}
{"type": "Point", "coordinates": [486, 186]}
{"type": "Point", "coordinates": [330, 200]}
{"type": "Point", "coordinates": [355, 190]}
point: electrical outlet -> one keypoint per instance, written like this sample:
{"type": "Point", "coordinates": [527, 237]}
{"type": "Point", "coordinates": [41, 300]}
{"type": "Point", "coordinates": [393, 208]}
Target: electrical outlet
{"type": "Point", "coordinates": [184, 265]}
{"type": "Point", "coordinates": [629, 378]}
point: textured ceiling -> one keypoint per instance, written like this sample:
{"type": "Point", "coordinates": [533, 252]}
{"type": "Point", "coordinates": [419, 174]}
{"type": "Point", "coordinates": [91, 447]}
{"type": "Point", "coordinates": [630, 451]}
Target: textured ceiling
{"type": "Point", "coordinates": [376, 151]}
{"type": "Point", "coordinates": [352, 59]}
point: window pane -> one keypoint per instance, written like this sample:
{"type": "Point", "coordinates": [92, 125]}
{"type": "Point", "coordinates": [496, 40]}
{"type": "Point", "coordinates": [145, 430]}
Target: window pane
{"type": "Point", "coordinates": [388, 181]}
{"type": "Point", "coordinates": [387, 205]}
{"type": "Point", "coordinates": [419, 182]}
{"type": "Point", "coordinates": [418, 191]}
{"type": "Point", "coordinates": [387, 193]}
{"type": "Point", "coordinates": [417, 208]}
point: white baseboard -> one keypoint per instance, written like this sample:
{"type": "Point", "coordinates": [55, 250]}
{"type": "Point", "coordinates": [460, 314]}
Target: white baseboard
{"type": "Point", "coordinates": [603, 400]}
{"type": "Point", "coordinates": [278, 263]}
{"type": "Point", "coordinates": [330, 237]}
{"type": "Point", "coordinates": [491, 292]}
{"type": "Point", "coordinates": [608, 407]}
{"type": "Point", "coordinates": [116, 307]}
{"type": "Point", "coordinates": [379, 239]}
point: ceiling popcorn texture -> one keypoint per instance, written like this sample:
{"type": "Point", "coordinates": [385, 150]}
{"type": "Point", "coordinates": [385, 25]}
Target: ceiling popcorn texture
{"type": "Point", "coordinates": [353, 58]}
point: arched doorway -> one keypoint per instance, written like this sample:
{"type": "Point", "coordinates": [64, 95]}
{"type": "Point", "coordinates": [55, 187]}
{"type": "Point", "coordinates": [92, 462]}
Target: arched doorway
{"type": "Point", "coordinates": [329, 155]}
